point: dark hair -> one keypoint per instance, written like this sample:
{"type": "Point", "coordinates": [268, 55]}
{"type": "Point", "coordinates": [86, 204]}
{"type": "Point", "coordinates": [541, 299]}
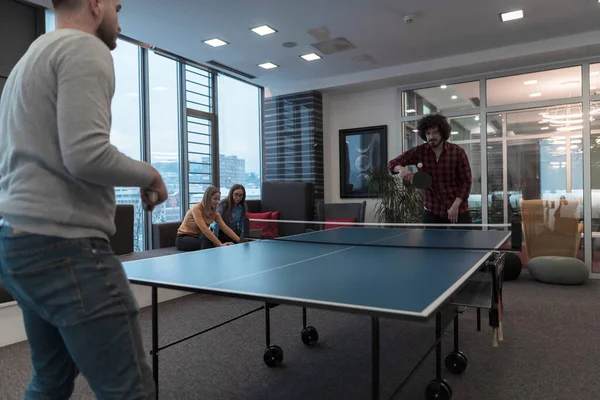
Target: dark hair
{"type": "Point", "coordinates": [434, 121]}
{"type": "Point", "coordinates": [229, 202]}
{"type": "Point", "coordinates": [66, 4]}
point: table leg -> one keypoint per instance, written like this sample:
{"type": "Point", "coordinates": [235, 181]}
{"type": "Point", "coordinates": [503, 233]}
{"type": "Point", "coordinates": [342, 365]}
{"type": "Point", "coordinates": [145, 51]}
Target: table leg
{"type": "Point", "coordinates": [155, 337]}
{"type": "Point", "coordinates": [374, 358]}
{"type": "Point", "coordinates": [273, 355]}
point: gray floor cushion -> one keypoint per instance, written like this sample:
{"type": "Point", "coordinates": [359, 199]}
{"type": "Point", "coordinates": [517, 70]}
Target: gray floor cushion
{"type": "Point", "coordinates": [558, 270]}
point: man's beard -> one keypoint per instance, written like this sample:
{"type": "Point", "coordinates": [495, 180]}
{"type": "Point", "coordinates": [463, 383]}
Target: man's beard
{"type": "Point", "coordinates": [434, 143]}
{"type": "Point", "coordinates": [106, 35]}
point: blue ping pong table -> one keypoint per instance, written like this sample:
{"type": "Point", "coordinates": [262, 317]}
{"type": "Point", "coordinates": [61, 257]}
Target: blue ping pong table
{"type": "Point", "coordinates": [359, 270]}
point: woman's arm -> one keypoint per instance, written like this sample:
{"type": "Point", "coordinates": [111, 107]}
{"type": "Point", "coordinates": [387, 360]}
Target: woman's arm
{"type": "Point", "coordinates": [221, 224]}
{"type": "Point", "coordinates": [198, 212]}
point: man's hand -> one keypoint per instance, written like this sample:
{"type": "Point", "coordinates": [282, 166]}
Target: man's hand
{"type": "Point", "coordinates": [157, 186]}
{"type": "Point", "coordinates": [225, 244]}
{"type": "Point", "coordinates": [453, 213]}
{"type": "Point", "coordinates": [406, 174]}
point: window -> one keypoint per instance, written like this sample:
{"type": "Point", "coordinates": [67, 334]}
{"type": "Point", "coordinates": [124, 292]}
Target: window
{"type": "Point", "coordinates": [594, 79]}
{"type": "Point", "coordinates": [50, 23]}
{"type": "Point", "coordinates": [543, 158]}
{"type": "Point", "coordinates": [545, 85]}
{"type": "Point", "coordinates": [199, 157]}
{"type": "Point", "coordinates": [440, 99]}
{"type": "Point", "coordinates": [164, 133]}
{"type": "Point", "coordinates": [239, 136]}
{"type": "Point", "coordinates": [199, 132]}
{"type": "Point", "coordinates": [595, 187]}
{"type": "Point", "coordinates": [125, 133]}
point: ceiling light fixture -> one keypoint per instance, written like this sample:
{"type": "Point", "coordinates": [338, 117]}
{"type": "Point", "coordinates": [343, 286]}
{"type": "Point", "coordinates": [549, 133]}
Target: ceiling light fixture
{"type": "Point", "coordinates": [512, 15]}
{"type": "Point", "coordinates": [411, 110]}
{"type": "Point", "coordinates": [454, 97]}
{"type": "Point", "coordinates": [535, 95]}
{"type": "Point", "coordinates": [531, 82]}
{"type": "Point", "coordinates": [444, 87]}
{"type": "Point", "coordinates": [268, 65]}
{"type": "Point", "coordinates": [215, 42]}
{"type": "Point", "coordinates": [454, 133]}
{"type": "Point", "coordinates": [263, 30]}
{"type": "Point", "coordinates": [311, 57]}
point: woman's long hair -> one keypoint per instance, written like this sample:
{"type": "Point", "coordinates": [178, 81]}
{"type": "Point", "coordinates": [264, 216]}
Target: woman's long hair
{"type": "Point", "coordinates": [207, 203]}
{"type": "Point", "coordinates": [229, 202]}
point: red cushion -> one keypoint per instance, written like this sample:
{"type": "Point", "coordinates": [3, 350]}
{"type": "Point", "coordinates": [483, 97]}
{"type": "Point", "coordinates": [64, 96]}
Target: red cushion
{"type": "Point", "coordinates": [272, 229]}
{"type": "Point", "coordinates": [269, 230]}
{"type": "Point", "coordinates": [331, 226]}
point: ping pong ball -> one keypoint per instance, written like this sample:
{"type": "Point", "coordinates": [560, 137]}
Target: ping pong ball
{"type": "Point", "coordinates": [420, 165]}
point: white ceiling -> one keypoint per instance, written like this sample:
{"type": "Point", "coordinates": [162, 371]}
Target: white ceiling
{"type": "Point", "coordinates": [446, 35]}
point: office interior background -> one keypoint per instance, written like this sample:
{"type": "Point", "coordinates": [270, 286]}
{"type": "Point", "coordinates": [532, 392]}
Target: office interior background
{"type": "Point", "coordinates": [530, 131]}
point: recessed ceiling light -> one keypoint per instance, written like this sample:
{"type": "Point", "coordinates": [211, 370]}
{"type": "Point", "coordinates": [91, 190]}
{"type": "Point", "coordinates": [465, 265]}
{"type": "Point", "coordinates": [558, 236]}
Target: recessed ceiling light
{"type": "Point", "coordinates": [544, 128]}
{"type": "Point", "coordinates": [531, 82]}
{"type": "Point", "coordinates": [411, 110]}
{"type": "Point", "coordinates": [415, 130]}
{"type": "Point", "coordinates": [510, 16]}
{"type": "Point", "coordinates": [454, 133]}
{"type": "Point", "coordinates": [263, 30]}
{"type": "Point", "coordinates": [535, 95]}
{"type": "Point", "coordinates": [454, 97]}
{"type": "Point", "coordinates": [311, 57]}
{"type": "Point", "coordinates": [445, 86]}
{"type": "Point", "coordinates": [268, 65]}
{"type": "Point", "coordinates": [215, 42]}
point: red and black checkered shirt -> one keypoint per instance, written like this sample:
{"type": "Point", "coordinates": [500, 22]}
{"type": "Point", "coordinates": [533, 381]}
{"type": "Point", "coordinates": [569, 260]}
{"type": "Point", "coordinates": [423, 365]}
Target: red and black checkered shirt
{"type": "Point", "coordinates": [451, 175]}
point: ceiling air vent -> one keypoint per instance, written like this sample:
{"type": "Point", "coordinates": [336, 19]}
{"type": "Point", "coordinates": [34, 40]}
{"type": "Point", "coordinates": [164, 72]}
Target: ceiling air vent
{"type": "Point", "coordinates": [224, 67]}
{"type": "Point", "coordinates": [333, 45]}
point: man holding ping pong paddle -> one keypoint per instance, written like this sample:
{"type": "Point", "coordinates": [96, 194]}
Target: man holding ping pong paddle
{"type": "Point", "coordinates": [443, 173]}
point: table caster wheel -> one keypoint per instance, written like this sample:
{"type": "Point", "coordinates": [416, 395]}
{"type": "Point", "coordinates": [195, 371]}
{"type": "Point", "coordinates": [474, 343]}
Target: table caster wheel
{"type": "Point", "coordinates": [438, 390]}
{"type": "Point", "coordinates": [273, 356]}
{"type": "Point", "coordinates": [310, 336]}
{"type": "Point", "coordinates": [456, 362]}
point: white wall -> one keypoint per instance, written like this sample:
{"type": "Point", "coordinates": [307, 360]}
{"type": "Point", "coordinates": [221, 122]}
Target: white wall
{"type": "Point", "coordinates": [11, 319]}
{"type": "Point", "coordinates": [376, 107]}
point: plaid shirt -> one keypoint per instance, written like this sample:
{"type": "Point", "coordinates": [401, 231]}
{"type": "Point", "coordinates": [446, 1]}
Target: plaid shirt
{"type": "Point", "coordinates": [451, 175]}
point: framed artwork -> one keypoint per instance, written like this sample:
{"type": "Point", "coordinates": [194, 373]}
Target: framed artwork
{"type": "Point", "coordinates": [362, 150]}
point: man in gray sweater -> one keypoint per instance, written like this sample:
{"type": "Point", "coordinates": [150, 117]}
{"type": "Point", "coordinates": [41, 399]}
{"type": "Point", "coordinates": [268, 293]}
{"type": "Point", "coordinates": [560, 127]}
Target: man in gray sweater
{"type": "Point", "coordinates": [58, 171]}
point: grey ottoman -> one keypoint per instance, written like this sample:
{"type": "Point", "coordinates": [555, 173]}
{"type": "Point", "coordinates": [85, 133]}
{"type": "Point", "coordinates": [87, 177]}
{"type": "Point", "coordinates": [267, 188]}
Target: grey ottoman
{"type": "Point", "coordinates": [558, 270]}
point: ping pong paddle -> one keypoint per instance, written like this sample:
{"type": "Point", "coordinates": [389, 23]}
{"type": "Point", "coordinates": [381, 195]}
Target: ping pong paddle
{"type": "Point", "coordinates": [422, 180]}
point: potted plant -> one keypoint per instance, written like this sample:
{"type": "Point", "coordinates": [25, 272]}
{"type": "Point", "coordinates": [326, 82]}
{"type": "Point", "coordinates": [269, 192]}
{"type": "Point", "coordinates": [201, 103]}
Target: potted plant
{"type": "Point", "coordinates": [396, 202]}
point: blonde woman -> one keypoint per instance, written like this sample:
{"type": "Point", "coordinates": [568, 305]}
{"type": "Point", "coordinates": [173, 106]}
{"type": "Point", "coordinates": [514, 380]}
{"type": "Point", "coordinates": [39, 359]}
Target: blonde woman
{"type": "Point", "coordinates": [194, 232]}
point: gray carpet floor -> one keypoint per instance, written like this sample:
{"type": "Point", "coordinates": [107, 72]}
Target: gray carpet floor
{"type": "Point", "coordinates": [551, 351]}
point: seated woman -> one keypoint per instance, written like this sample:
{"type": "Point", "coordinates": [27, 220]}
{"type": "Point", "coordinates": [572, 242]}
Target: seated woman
{"type": "Point", "coordinates": [233, 211]}
{"type": "Point", "coordinates": [194, 232]}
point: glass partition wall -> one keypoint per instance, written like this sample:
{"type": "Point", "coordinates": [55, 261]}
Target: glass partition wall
{"type": "Point", "coordinates": [530, 136]}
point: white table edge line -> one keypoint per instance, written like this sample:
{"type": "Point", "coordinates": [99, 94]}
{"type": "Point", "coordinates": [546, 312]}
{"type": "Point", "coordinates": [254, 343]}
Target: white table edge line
{"type": "Point", "coordinates": [292, 299]}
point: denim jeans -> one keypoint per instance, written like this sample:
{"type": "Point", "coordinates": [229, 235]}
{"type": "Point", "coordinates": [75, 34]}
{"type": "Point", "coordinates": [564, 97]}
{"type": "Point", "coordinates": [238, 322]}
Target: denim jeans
{"type": "Point", "coordinates": [80, 316]}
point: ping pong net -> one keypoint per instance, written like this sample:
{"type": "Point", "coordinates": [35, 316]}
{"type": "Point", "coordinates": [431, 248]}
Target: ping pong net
{"type": "Point", "coordinates": [488, 237]}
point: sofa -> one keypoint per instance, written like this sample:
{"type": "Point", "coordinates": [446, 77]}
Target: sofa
{"type": "Point", "coordinates": [282, 201]}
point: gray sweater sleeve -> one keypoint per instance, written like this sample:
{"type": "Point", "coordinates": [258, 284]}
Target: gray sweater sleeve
{"type": "Point", "coordinates": [86, 82]}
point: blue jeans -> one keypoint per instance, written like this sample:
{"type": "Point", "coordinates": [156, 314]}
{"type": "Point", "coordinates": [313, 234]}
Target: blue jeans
{"type": "Point", "coordinates": [80, 316]}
